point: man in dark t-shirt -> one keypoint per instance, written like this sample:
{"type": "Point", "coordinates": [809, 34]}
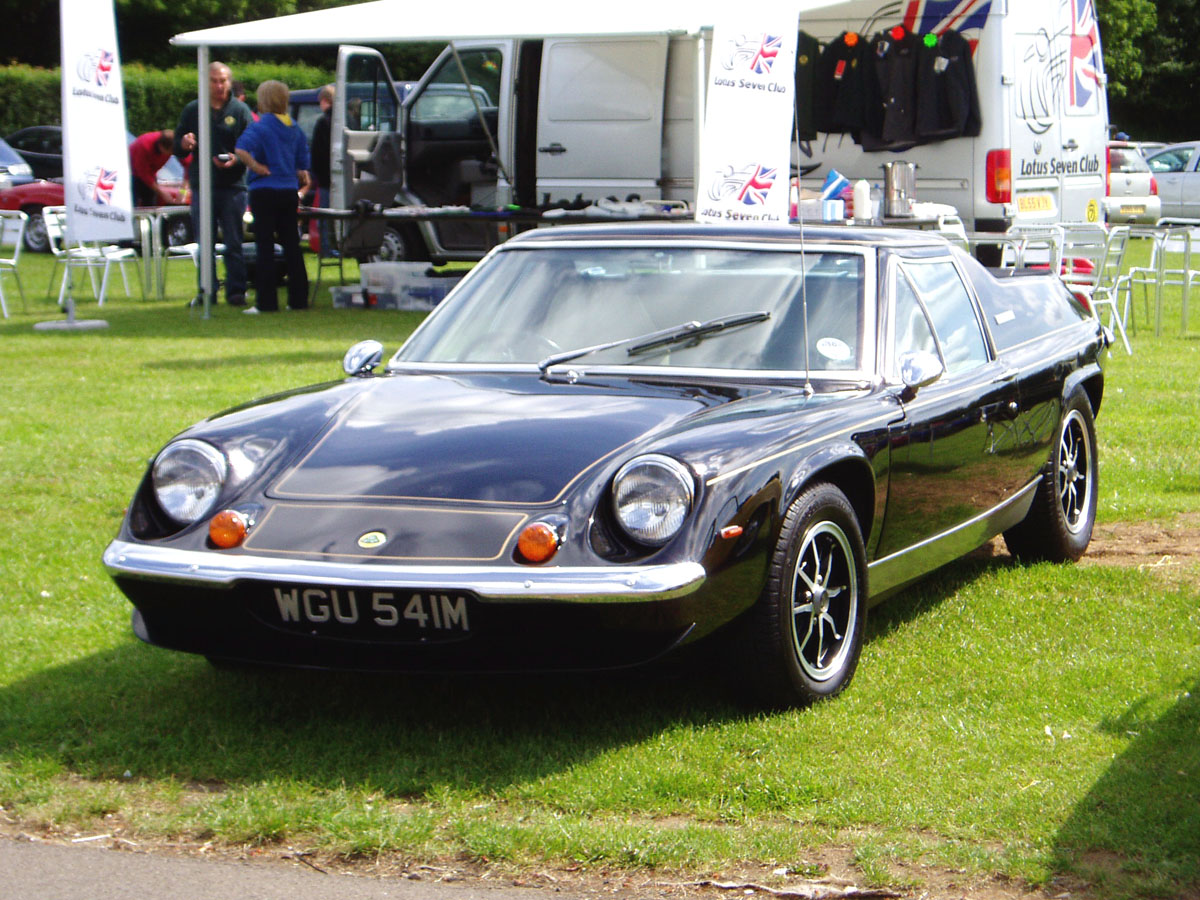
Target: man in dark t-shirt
{"type": "Point", "coordinates": [229, 118]}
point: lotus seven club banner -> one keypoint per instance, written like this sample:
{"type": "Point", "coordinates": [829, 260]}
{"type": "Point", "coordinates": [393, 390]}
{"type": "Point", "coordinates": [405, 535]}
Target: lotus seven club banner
{"type": "Point", "coordinates": [745, 147]}
{"type": "Point", "coordinates": [96, 171]}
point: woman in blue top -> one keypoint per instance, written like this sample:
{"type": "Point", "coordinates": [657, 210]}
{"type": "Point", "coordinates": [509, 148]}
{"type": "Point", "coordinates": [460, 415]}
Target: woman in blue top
{"type": "Point", "coordinates": [275, 152]}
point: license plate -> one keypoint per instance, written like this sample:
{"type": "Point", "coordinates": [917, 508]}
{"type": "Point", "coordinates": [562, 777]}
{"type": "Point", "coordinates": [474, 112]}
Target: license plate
{"type": "Point", "coordinates": [1035, 203]}
{"type": "Point", "coordinates": [367, 613]}
{"type": "Point", "coordinates": [1132, 210]}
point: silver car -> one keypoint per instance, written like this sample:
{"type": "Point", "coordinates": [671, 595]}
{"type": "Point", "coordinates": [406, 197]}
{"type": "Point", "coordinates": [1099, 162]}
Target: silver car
{"type": "Point", "coordinates": [1132, 195]}
{"type": "Point", "coordinates": [1174, 168]}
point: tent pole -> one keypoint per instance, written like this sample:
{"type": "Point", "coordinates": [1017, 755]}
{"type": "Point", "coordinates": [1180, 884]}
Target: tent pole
{"type": "Point", "coordinates": [204, 188]}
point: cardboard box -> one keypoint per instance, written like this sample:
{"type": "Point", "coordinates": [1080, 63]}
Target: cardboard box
{"type": "Point", "coordinates": [404, 285]}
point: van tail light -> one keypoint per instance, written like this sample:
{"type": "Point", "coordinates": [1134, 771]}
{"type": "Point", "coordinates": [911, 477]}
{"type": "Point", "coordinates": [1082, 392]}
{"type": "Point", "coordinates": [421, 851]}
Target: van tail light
{"type": "Point", "coordinates": [1107, 171]}
{"type": "Point", "coordinates": [1153, 186]}
{"type": "Point", "coordinates": [999, 176]}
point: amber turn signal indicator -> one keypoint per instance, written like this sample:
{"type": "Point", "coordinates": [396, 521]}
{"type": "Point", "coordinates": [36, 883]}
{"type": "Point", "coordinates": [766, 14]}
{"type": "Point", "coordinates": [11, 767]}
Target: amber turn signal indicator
{"type": "Point", "coordinates": [538, 542]}
{"type": "Point", "coordinates": [227, 529]}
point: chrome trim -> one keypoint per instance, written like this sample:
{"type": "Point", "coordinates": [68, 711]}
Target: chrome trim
{"type": "Point", "coordinates": [898, 569]}
{"type": "Point", "coordinates": [585, 584]}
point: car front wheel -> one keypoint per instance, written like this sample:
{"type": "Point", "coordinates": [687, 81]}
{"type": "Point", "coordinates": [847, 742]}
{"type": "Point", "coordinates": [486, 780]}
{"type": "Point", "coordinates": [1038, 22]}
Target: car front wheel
{"type": "Point", "coordinates": [1058, 526]}
{"type": "Point", "coordinates": [809, 622]}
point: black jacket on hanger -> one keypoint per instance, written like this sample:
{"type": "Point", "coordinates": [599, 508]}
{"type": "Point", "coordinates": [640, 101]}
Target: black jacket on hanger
{"type": "Point", "coordinates": [947, 98]}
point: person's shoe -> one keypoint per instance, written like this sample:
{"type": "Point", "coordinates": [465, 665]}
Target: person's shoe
{"type": "Point", "coordinates": [237, 300]}
{"type": "Point", "coordinates": [250, 311]}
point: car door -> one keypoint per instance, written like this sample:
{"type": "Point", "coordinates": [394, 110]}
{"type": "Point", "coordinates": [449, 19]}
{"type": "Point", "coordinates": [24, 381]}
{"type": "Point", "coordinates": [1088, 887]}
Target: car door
{"type": "Point", "coordinates": [1171, 167]}
{"type": "Point", "coordinates": [600, 117]}
{"type": "Point", "coordinates": [366, 156]}
{"type": "Point", "coordinates": [946, 470]}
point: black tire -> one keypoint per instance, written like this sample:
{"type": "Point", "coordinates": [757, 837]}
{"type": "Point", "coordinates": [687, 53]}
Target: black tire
{"type": "Point", "coordinates": [1058, 526]}
{"type": "Point", "coordinates": [36, 239]}
{"type": "Point", "coordinates": [807, 628]}
{"type": "Point", "coordinates": [177, 231]}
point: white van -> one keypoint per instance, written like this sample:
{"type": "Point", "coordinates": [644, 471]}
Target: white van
{"type": "Point", "coordinates": [538, 122]}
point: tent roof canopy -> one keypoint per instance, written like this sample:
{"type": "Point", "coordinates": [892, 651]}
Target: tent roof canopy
{"type": "Point", "coordinates": [391, 21]}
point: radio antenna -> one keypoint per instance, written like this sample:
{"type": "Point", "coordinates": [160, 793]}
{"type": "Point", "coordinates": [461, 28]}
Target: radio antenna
{"type": "Point", "coordinates": [808, 388]}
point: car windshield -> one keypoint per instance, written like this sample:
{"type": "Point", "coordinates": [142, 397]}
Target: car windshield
{"type": "Point", "coordinates": [687, 307]}
{"type": "Point", "coordinates": [9, 156]}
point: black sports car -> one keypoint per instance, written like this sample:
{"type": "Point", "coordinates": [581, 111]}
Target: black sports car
{"type": "Point", "coordinates": [611, 441]}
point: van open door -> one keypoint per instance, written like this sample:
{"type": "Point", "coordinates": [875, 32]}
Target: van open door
{"type": "Point", "coordinates": [366, 161]}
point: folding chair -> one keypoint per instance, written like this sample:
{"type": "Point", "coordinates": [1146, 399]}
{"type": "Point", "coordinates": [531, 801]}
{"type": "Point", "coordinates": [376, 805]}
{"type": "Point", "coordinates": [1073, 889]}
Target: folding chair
{"type": "Point", "coordinates": [12, 234]}
{"type": "Point", "coordinates": [1093, 260]}
{"type": "Point", "coordinates": [83, 255]}
{"type": "Point", "coordinates": [1041, 246]}
{"type": "Point", "coordinates": [1171, 261]}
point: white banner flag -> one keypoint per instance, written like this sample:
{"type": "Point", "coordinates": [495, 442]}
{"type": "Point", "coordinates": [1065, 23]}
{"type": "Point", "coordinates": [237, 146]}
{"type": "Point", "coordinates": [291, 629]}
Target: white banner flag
{"type": "Point", "coordinates": [96, 171]}
{"type": "Point", "coordinates": [745, 147]}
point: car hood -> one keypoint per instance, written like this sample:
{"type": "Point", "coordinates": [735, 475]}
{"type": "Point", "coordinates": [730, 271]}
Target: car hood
{"type": "Point", "coordinates": [486, 438]}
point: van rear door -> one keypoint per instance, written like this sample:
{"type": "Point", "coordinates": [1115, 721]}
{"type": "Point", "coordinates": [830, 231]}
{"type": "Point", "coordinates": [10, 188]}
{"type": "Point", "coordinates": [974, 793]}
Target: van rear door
{"type": "Point", "coordinates": [1061, 119]}
{"type": "Point", "coordinates": [600, 118]}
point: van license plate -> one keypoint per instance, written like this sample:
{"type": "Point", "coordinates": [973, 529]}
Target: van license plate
{"type": "Point", "coordinates": [1035, 203]}
{"type": "Point", "coordinates": [1133, 210]}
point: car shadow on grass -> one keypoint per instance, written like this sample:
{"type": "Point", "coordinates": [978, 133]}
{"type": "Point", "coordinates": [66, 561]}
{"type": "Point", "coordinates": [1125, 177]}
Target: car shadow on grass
{"type": "Point", "coordinates": [1137, 831]}
{"type": "Point", "coordinates": [163, 715]}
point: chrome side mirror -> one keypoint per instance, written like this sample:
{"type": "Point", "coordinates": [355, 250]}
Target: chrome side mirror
{"type": "Point", "coordinates": [919, 368]}
{"type": "Point", "coordinates": [361, 359]}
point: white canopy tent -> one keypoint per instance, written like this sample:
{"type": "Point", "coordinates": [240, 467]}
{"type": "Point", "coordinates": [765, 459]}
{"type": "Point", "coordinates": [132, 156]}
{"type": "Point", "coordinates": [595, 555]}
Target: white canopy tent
{"type": "Point", "coordinates": [395, 21]}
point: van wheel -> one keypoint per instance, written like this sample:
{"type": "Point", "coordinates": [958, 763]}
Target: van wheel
{"type": "Point", "coordinates": [399, 245]}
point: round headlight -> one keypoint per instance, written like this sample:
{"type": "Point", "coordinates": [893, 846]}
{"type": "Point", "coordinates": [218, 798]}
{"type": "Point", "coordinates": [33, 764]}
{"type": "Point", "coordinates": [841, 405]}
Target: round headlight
{"type": "Point", "coordinates": [652, 496]}
{"type": "Point", "coordinates": [188, 476]}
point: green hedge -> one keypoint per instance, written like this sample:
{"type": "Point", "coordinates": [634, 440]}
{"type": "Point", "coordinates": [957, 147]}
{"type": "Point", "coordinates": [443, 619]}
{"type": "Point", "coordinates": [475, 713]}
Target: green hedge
{"type": "Point", "coordinates": [153, 97]}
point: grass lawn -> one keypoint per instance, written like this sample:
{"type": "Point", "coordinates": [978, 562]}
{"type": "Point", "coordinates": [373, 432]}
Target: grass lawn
{"type": "Point", "coordinates": [1039, 724]}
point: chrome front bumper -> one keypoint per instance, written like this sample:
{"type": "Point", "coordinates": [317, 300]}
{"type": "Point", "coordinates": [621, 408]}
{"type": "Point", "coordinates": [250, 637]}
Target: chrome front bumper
{"type": "Point", "coordinates": [592, 584]}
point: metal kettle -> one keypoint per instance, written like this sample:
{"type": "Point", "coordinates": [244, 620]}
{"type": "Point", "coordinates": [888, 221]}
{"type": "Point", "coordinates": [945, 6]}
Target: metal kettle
{"type": "Point", "coordinates": [899, 188]}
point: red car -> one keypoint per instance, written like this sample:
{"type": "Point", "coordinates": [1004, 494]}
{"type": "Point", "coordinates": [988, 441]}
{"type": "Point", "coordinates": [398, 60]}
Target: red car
{"type": "Point", "coordinates": [31, 198]}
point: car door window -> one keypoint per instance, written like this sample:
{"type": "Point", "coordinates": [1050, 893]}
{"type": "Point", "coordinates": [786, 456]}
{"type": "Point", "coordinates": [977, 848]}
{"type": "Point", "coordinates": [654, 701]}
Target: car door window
{"type": "Point", "coordinates": [1170, 160]}
{"type": "Point", "coordinates": [911, 330]}
{"type": "Point", "coordinates": [955, 322]}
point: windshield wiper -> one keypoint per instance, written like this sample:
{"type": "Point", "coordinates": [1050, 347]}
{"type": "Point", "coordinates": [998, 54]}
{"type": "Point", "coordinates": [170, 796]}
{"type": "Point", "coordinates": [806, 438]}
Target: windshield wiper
{"type": "Point", "coordinates": [676, 334]}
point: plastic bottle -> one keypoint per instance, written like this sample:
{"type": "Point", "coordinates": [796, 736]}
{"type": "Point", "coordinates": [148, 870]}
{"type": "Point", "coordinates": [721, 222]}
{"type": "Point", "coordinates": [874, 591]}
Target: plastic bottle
{"type": "Point", "coordinates": [862, 201]}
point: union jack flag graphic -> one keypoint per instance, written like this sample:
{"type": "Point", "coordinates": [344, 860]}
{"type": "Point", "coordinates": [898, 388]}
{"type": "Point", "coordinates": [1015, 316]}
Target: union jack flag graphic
{"type": "Point", "coordinates": [1085, 53]}
{"type": "Point", "coordinates": [104, 65]}
{"type": "Point", "coordinates": [765, 57]}
{"type": "Point", "coordinates": [754, 191]}
{"type": "Point", "coordinates": [967, 17]}
{"type": "Point", "coordinates": [106, 182]}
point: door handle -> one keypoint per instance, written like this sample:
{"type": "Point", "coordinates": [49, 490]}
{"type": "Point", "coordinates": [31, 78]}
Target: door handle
{"type": "Point", "coordinates": [1007, 375]}
{"type": "Point", "coordinates": [1072, 144]}
{"type": "Point", "coordinates": [554, 149]}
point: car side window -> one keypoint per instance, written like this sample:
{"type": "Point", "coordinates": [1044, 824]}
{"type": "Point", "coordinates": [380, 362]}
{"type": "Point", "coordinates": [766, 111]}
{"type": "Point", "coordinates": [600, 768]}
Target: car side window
{"type": "Point", "coordinates": [955, 322]}
{"type": "Point", "coordinates": [1170, 160]}
{"type": "Point", "coordinates": [911, 329]}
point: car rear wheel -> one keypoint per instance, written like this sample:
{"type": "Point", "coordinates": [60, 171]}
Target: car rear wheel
{"type": "Point", "coordinates": [808, 625]}
{"type": "Point", "coordinates": [1059, 524]}
{"type": "Point", "coordinates": [36, 239]}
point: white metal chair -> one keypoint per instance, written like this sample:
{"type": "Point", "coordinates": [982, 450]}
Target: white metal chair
{"type": "Point", "coordinates": [1175, 250]}
{"type": "Point", "coordinates": [12, 235]}
{"type": "Point", "coordinates": [1092, 264]}
{"type": "Point", "coordinates": [87, 255]}
{"type": "Point", "coordinates": [1041, 245]}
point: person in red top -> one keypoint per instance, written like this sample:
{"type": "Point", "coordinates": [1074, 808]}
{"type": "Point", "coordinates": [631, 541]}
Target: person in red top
{"type": "Point", "coordinates": [147, 154]}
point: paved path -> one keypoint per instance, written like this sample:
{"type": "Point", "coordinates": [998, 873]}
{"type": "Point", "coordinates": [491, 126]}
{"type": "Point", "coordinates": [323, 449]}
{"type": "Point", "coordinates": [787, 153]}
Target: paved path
{"type": "Point", "coordinates": [31, 870]}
